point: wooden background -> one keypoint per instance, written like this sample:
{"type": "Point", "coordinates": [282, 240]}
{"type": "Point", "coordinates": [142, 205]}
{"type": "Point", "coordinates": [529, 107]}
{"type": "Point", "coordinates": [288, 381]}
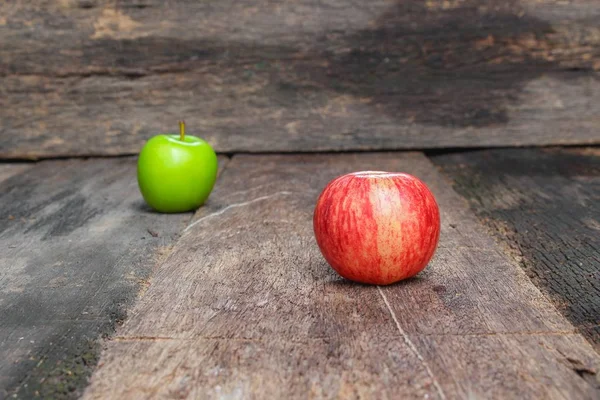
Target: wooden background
{"type": "Point", "coordinates": [99, 77]}
{"type": "Point", "coordinates": [235, 299]}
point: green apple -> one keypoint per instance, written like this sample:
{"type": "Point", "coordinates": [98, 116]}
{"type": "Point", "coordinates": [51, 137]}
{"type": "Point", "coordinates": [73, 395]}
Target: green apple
{"type": "Point", "coordinates": [176, 173]}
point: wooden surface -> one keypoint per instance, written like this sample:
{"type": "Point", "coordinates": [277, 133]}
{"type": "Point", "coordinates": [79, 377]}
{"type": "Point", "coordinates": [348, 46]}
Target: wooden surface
{"type": "Point", "coordinates": [246, 307]}
{"type": "Point", "coordinates": [545, 205]}
{"type": "Point", "coordinates": [90, 77]}
{"type": "Point", "coordinates": [7, 170]}
{"type": "Point", "coordinates": [77, 246]}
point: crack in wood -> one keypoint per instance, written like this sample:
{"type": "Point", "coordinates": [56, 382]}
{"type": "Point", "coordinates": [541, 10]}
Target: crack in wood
{"type": "Point", "coordinates": [329, 338]}
{"type": "Point", "coordinates": [236, 205]}
{"type": "Point", "coordinates": [411, 345]}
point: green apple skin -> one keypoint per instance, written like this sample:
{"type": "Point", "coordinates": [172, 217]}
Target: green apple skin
{"type": "Point", "coordinates": [176, 176]}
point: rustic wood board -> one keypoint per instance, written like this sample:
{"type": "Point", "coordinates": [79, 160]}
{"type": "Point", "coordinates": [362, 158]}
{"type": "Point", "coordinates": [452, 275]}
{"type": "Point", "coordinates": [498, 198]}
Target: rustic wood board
{"type": "Point", "coordinates": [545, 206]}
{"type": "Point", "coordinates": [246, 307]}
{"type": "Point", "coordinates": [77, 245]}
{"type": "Point", "coordinates": [86, 77]}
{"type": "Point", "coordinates": [135, 38]}
{"type": "Point", "coordinates": [9, 169]}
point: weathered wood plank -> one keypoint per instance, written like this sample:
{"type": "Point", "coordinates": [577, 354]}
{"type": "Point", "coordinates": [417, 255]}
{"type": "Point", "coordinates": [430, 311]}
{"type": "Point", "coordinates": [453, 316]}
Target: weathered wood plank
{"type": "Point", "coordinates": [544, 205]}
{"type": "Point", "coordinates": [97, 77]}
{"type": "Point", "coordinates": [135, 38]}
{"type": "Point", "coordinates": [271, 369]}
{"type": "Point", "coordinates": [9, 169]}
{"type": "Point", "coordinates": [497, 364]}
{"type": "Point", "coordinates": [93, 116]}
{"type": "Point", "coordinates": [77, 248]}
{"type": "Point", "coordinates": [246, 306]}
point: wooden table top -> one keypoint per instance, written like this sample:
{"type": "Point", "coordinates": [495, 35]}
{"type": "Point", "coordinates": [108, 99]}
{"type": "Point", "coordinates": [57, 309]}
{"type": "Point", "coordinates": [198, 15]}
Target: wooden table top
{"type": "Point", "coordinates": [237, 300]}
{"type": "Point", "coordinates": [102, 298]}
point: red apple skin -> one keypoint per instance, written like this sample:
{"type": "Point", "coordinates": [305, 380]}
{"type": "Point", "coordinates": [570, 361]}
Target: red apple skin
{"type": "Point", "coordinates": [377, 227]}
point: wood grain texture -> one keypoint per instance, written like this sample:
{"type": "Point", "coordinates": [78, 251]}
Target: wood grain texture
{"type": "Point", "coordinates": [9, 169]}
{"type": "Point", "coordinates": [544, 205]}
{"type": "Point", "coordinates": [246, 307]}
{"type": "Point", "coordinates": [89, 77]}
{"type": "Point", "coordinates": [135, 38]}
{"type": "Point", "coordinates": [76, 249]}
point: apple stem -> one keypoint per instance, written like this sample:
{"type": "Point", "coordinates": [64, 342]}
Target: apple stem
{"type": "Point", "coordinates": [181, 130]}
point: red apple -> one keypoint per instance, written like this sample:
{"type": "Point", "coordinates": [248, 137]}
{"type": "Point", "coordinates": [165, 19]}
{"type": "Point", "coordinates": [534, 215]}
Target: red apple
{"type": "Point", "coordinates": [377, 227]}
